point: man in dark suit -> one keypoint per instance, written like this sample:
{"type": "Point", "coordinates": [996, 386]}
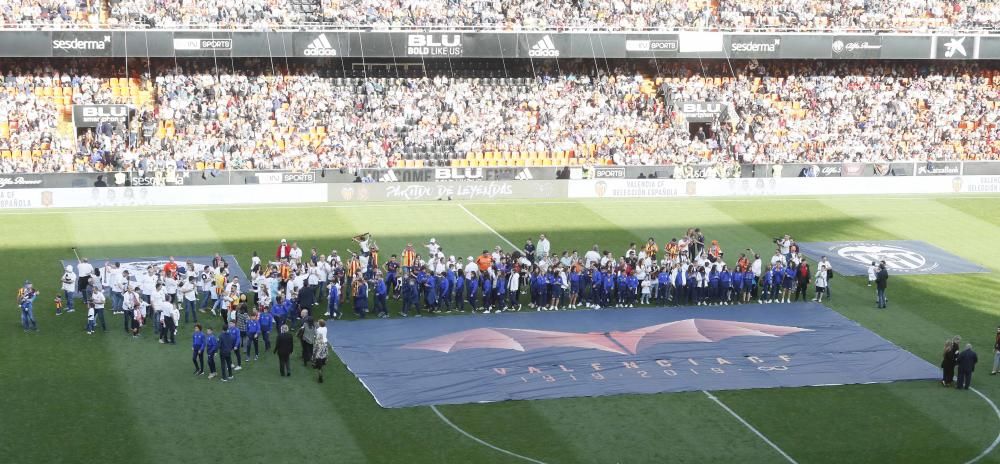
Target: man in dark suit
{"type": "Point", "coordinates": [226, 346]}
{"type": "Point", "coordinates": [881, 282]}
{"type": "Point", "coordinates": [967, 360]}
{"type": "Point", "coordinates": [284, 347]}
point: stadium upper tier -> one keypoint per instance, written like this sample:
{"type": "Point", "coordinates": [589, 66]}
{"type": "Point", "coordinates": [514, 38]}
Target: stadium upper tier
{"type": "Point", "coordinates": [839, 15]}
{"type": "Point", "coordinates": [256, 114]}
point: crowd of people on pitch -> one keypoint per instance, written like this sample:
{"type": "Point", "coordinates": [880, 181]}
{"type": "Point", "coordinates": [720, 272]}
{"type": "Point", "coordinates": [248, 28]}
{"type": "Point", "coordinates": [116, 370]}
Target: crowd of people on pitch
{"type": "Point", "coordinates": [248, 118]}
{"type": "Point", "coordinates": [515, 15]}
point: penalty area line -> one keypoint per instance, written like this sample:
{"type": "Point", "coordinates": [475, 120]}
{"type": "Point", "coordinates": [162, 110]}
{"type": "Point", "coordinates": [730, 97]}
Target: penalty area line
{"type": "Point", "coordinates": [752, 428]}
{"type": "Point", "coordinates": [480, 441]}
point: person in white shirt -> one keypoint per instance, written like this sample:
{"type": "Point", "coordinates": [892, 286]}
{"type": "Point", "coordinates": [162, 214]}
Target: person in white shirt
{"type": "Point", "coordinates": [189, 296]}
{"type": "Point", "coordinates": [84, 270]}
{"type": "Point", "coordinates": [170, 289]}
{"type": "Point", "coordinates": [872, 271]}
{"type": "Point", "coordinates": [90, 320]}
{"type": "Point", "coordinates": [69, 287]}
{"type": "Point", "coordinates": [157, 303]}
{"type": "Point", "coordinates": [97, 307]}
{"type": "Point", "coordinates": [591, 257]}
{"type": "Point", "coordinates": [119, 283]}
{"type": "Point", "coordinates": [513, 285]}
{"type": "Point", "coordinates": [543, 247]}
{"type": "Point", "coordinates": [826, 268]}
{"type": "Point", "coordinates": [433, 248]}
{"type": "Point", "coordinates": [470, 268]}
{"type": "Point", "coordinates": [295, 254]}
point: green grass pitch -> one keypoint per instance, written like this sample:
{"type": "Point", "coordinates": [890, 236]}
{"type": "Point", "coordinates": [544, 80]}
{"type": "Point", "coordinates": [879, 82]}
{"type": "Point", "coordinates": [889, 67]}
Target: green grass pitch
{"type": "Point", "coordinates": [69, 397]}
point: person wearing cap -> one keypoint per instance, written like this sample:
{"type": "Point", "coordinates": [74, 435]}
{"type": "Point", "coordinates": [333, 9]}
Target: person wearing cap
{"type": "Point", "coordinates": [433, 248]}
{"type": "Point", "coordinates": [284, 251]}
{"type": "Point", "coordinates": [69, 287]}
{"type": "Point", "coordinates": [25, 301]}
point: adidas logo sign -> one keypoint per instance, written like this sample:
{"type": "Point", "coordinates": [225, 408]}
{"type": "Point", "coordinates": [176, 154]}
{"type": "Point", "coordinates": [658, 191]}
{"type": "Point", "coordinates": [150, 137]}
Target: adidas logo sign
{"type": "Point", "coordinates": [320, 47]}
{"type": "Point", "coordinates": [525, 174]}
{"type": "Point", "coordinates": [544, 48]}
{"type": "Point", "coordinates": [389, 176]}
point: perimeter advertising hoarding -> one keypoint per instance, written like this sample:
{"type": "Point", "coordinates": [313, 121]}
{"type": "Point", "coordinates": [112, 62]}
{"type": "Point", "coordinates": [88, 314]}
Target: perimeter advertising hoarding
{"type": "Point", "coordinates": [652, 45]}
{"type": "Point", "coordinates": [854, 47]}
{"type": "Point", "coordinates": [956, 47]}
{"type": "Point", "coordinates": [989, 48]}
{"type": "Point", "coordinates": [906, 47]}
{"type": "Point", "coordinates": [25, 43]}
{"type": "Point", "coordinates": [208, 44]}
{"type": "Point", "coordinates": [81, 43]}
{"type": "Point", "coordinates": [446, 191]}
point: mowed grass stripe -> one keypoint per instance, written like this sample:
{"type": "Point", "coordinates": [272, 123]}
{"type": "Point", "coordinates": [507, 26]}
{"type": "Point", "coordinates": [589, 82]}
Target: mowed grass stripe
{"type": "Point", "coordinates": [910, 323]}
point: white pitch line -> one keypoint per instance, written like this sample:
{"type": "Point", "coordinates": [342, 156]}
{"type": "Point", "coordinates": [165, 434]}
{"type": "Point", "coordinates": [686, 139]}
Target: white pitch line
{"type": "Point", "coordinates": [996, 441]}
{"type": "Point", "coordinates": [488, 227]}
{"type": "Point", "coordinates": [481, 442]}
{"type": "Point", "coordinates": [752, 428]}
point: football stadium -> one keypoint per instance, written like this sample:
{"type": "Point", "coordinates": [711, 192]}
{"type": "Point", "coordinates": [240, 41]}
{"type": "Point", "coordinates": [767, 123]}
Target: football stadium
{"type": "Point", "coordinates": [450, 231]}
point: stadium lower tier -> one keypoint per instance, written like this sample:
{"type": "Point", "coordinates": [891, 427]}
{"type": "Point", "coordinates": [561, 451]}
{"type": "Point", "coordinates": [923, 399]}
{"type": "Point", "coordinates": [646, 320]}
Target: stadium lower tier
{"type": "Point", "coordinates": [259, 114]}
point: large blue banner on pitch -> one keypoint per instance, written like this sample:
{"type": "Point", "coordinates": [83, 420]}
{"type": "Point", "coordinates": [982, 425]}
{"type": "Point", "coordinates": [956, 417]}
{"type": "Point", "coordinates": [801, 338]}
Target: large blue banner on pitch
{"type": "Point", "coordinates": [905, 257]}
{"type": "Point", "coordinates": [451, 360]}
{"type": "Point", "coordinates": [136, 265]}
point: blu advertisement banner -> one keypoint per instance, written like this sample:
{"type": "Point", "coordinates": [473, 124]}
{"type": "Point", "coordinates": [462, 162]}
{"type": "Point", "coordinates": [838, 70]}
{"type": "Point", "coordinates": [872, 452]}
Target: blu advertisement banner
{"type": "Point", "coordinates": [528, 356]}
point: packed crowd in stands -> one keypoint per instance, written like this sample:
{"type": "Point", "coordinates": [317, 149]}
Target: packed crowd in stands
{"type": "Point", "coordinates": [514, 15]}
{"type": "Point", "coordinates": [250, 115]}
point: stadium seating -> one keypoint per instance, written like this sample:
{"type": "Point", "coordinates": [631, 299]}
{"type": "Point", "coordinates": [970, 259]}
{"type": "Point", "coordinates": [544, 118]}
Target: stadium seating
{"type": "Point", "coordinates": [195, 116]}
{"type": "Point", "coordinates": [730, 14]}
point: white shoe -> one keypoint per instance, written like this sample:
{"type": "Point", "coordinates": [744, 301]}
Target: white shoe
{"type": "Point", "coordinates": [238, 368]}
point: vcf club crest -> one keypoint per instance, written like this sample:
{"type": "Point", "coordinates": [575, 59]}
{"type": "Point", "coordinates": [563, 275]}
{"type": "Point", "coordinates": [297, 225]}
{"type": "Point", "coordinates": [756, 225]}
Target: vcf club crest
{"type": "Point", "coordinates": [898, 259]}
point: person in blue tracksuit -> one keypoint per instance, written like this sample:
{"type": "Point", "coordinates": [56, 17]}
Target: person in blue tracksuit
{"type": "Point", "coordinates": [632, 285]}
{"type": "Point", "coordinates": [692, 285]}
{"type": "Point", "coordinates": [537, 281]}
{"type": "Point", "coordinates": [228, 344]}
{"type": "Point", "coordinates": [472, 288]}
{"type": "Point", "coordinates": [575, 287]}
{"type": "Point", "coordinates": [391, 274]}
{"type": "Point", "coordinates": [608, 286]}
{"type": "Point", "coordinates": [500, 292]}
{"type": "Point", "coordinates": [737, 277]}
{"type": "Point", "coordinates": [26, 302]}
{"type": "Point", "coordinates": [234, 332]}
{"type": "Point", "coordinates": [725, 284]}
{"type": "Point", "coordinates": [662, 286]}
{"type": "Point", "coordinates": [788, 283]}
{"type": "Point", "coordinates": [266, 325]}
{"type": "Point", "coordinates": [764, 296]}
{"type": "Point", "coordinates": [487, 301]}
{"type": "Point", "coordinates": [198, 350]}
{"type": "Point", "coordinates": [459, 291]}
{"type": "Point", "coordinates": [714, 284]}
{"type": "Point", "coordinates": [431, 293]}
{"type": "Point", "coordinates": [621, 288]}
{"type": "Point", "coordinates": [446, 286]}
{"type": "Point", "coordinates": [211, 347]}
{"type": "Point", "coordinates": [279, 309]}
{"type": "Point", "coordinates": [381, 294]}
{"type": "Point", "coordinates": [253, 335]}
{"type": "Point", "coordinates": [777, 281]}
{"type": "Point", "coordinates": [596, 286]}
{"type": "Point", "coordinates": [409, 295]}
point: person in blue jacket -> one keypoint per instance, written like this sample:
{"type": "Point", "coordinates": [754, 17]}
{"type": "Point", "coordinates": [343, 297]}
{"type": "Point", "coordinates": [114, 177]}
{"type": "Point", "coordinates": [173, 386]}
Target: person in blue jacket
{"type": "Point", "coordinates": [608, 288]}
{"type": "Point", "coordinates": [459, 291]}
{"type": "Point", "coordinates": [446, 286]}
{"type": "Point", "coordinates": [333, 303]}
{"type": "Point", "coordinates": [198, 350]}
{"type": "Point", "coordinates": [472, 288]}
{"type": "Point", "coordinates": [381, 294]}
{"type": "Point", "coordinates": [26, 301]}
{"type": "Point", "coordinates": [777, 280]}
{"type": "Point", "coordinates": [279, 309]}
{"type": "Point", "coordinates": [228, 344]}
{"type": "Point", "coordinates": [749, 281]}
{"type": "Point", "coordinates": [211, 346]}
{"type": "Point", "coordinates": [662, 286]}
{"type": "Point", "coordinates": [632, 283]}
{"type": "Point", "coordinates": [737, 277]}
{"type": "Point", "coordinates": [596, 286]}
{"type": "Point", "coordinates": [234, 332]}
{"type": "Point", "coordinates": [253, 334]}
{"type": "Point", "coordinates": [764, 296]}
{"type": "Point", "coordinates": [431, 293]}
{"type": "Point", "coordinates": [692, 285]}
{"type": "Point", "coordinates": [725, 285]}
{"type": "Point", "coordinates": [487, 300]}
{"type": "Point", "coordinates": [788, 283]}
{"type": "Point", "coordinates": [714, 285]}
{"type": "Point", "coordinates": [410, 295]}
{"type": "Point", "coordinates": [680, 285]}
{"type": "Point", "coordinates": [500, 292]}
{"type": "Point", "coordinates": [266, 324]}
{"type": "Point", "coordinates": [575, 287]}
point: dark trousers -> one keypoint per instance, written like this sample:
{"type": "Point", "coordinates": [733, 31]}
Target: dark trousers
{"type": "Point", "coordinates": [167, 334]}
{"type": "Point", "coordinates": [964, 379]}
{"type": "Point", "coordinates": [881, 297]}
{"type": "Point", "coordinates": [283, 365]}
{"type": "Point", "coordinates": [266, 334]}
{"type": "Point", "coordinates": [307, 352]}
{"type": "Point", "coordinates": [227, 365]}
{"type": "Point", "coordinates": [99, 317]}
{"type": "Point", "coordinates": [198, 358]}
{"type": "Point", "coordinates": [127, 319]}
{"type": "Point", "coordinates": [802, 288]}
{"type": "Point", "coordinates": [252, 340]}
{"type": "Point", "coordinates": [211, 363]}
{"type": "Point", "coordinates": [948, 374]}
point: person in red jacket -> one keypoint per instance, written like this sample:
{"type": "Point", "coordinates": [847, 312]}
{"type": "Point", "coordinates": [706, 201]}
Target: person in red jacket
{"type": "Point", "coordinates": [283, 250]}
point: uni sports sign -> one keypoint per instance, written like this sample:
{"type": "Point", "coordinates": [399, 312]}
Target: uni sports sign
{"type": "Point", "coordinates": [901, 257]}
